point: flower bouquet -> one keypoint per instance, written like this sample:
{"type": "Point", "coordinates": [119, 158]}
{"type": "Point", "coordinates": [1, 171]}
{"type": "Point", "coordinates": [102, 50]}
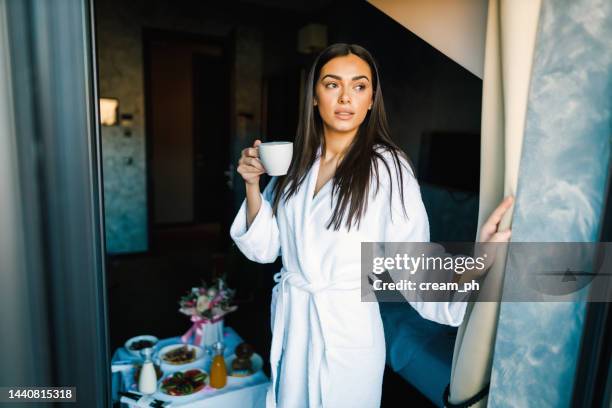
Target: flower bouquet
{"type": "Point", "coordinates": [207, 305]}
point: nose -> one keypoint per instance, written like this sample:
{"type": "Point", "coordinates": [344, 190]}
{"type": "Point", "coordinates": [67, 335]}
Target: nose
{"type": "Point", "coordinates": [344, 97]}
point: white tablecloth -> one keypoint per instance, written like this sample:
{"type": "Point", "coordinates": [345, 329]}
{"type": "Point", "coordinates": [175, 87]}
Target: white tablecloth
{"type": "Point", "coordinates": [239, 392]}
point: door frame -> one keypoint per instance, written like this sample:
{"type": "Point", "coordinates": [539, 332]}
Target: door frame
{"type": "Point", "coordinates": [149, 35]}
{"type": "Point", "coordinates": [59, 290]}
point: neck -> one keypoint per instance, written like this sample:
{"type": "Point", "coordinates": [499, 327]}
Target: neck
{"type": "Point", "coordinates": [337, 143]}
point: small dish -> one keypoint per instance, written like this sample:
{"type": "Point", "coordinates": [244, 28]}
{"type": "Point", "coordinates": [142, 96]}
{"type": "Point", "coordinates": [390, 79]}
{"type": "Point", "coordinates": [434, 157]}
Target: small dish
{"type": "Point", "coordinates": [135, 344]}
{"type": "Point", "coordinates": [256, 365]}
{"type": "Point", "coordinates": [193, 354]}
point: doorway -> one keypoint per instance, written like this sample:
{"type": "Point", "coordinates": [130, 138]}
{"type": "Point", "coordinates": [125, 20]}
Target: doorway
{"type": "Point", "coordinates": [188, 137]}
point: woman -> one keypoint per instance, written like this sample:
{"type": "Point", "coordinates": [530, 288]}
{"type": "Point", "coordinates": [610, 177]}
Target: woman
{"type": "Point", "coordinates": [348, 183]}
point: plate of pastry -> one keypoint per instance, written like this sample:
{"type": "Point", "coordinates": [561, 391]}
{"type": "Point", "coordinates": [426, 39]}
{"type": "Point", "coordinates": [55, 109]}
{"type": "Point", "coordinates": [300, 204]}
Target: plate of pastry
{"type": "Point", "coordinates": [245, 362]}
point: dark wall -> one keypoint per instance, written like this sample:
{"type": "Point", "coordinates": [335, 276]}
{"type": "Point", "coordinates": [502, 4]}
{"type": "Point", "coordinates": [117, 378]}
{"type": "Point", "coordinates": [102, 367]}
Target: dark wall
{"type": "Point", "coordinates": [424, 90]}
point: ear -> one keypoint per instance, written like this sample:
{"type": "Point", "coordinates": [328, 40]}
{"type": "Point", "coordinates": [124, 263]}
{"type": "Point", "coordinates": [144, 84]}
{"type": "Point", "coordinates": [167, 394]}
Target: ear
{"type": "Point", "coordinates": [314, 103]}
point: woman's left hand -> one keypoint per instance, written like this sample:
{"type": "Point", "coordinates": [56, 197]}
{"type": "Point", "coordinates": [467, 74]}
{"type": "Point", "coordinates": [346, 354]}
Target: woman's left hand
{"type": "Point", "coordinates": [489, 233]}
{"type": "Point", "coordinates": [490, 230]}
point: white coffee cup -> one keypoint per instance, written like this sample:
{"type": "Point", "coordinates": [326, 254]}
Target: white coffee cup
{"type": "Point", "coordinates": [276, 157]}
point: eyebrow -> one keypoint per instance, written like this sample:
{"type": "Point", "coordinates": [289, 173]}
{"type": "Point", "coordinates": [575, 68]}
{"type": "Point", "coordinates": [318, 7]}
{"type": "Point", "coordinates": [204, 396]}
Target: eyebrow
{"type": "Point", "coordinates": [339, 78]}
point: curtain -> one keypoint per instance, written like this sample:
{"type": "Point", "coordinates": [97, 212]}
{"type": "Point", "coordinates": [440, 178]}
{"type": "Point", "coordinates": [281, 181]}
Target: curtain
{"type": "Point", "coordinates": [561, 195]}
{"type": "Point", "coordinates": [510, 40]}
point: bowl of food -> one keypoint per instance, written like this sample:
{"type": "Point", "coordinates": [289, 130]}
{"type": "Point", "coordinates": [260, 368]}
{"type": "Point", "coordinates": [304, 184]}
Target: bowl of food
{"type": "Point", "coordinates": [179, 354]}
{"type": "Point", "coordinates": [135, 344]}
{"type": "Point", "coordinates": [183, 383]}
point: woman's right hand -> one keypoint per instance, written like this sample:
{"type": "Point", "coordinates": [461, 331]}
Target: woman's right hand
{"type": "Point", "coordinates": [249, 166]}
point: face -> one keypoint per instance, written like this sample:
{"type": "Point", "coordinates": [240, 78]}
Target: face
{"type": "Point", "coordinates": [343, 93]}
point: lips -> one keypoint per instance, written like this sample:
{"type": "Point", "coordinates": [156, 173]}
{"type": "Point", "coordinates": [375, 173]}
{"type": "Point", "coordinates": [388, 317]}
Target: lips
{"type": "Point", "coordinates": [344, 114]}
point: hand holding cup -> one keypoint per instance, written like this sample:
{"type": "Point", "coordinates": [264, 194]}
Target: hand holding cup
{"type": "Point", "coordinates": [273, 158]}
{"type": "Point", "coordinates": [249, 165]}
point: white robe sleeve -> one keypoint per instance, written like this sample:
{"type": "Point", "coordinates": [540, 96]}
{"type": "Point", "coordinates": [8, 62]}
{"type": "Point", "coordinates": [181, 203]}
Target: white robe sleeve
{"type": "Point", "coordinates": [261, 241]}
{"type": "Point", "coordinates": [413, 226]}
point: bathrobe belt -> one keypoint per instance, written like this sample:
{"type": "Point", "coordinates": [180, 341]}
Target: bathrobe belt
{"type": "Point", "coordinates": [316, 342]}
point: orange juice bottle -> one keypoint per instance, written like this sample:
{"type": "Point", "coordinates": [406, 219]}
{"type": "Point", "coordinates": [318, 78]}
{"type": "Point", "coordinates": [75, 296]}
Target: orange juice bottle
{"type": "Point", "coordinates": [218, 371]}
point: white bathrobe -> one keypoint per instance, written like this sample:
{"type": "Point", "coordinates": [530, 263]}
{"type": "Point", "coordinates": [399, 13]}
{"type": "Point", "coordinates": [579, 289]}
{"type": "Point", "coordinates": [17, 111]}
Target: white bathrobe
{"type": "Point", "coordinates": [328, 347]}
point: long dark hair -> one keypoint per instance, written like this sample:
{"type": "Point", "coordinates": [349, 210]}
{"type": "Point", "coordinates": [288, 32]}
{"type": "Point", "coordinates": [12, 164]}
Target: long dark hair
{"type": "Point", "coordinates": [352, 177]}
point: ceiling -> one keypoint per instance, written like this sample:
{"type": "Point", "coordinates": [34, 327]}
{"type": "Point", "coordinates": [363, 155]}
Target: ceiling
{"type": "Point", "coordinates": [294, 5]}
